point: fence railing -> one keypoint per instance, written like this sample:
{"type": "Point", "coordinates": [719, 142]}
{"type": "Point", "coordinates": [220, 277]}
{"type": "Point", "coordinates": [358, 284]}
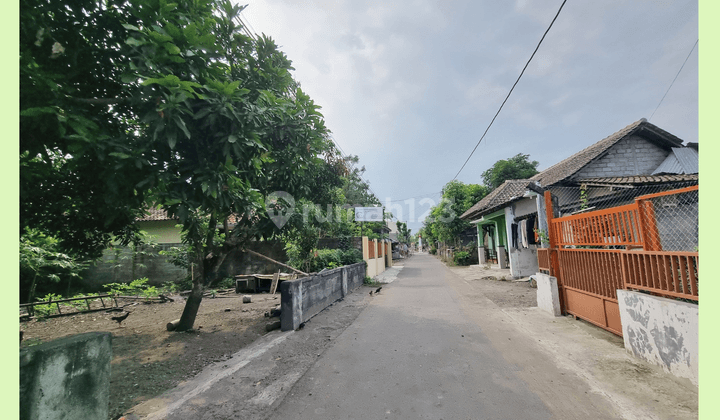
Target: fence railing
{"type": "Point", "coordinates": [664, 224]}
{"type": "Point", "coordinates": [543, 259]}
{"type": "Point", "coordinates": [672, 274]}
{"type": "Point", "coordinates": [371, 249]}
{"type": "Point", "coordinates": [614, 226]}
{"type": "Point", "coordinates": [597, 271]}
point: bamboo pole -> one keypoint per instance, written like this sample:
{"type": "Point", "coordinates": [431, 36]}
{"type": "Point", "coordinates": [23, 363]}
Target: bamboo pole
{"type": "Point", "coordinates": [276, 262]}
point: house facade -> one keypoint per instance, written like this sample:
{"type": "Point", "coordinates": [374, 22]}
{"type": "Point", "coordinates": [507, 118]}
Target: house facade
{"type": "Point", "coordinates": [633, 161]}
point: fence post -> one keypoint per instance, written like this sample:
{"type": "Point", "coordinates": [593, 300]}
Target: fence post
{"type": "Point", "coordinates": [650, 234]}
{"type": "Point", "coordinates": [553, 251]}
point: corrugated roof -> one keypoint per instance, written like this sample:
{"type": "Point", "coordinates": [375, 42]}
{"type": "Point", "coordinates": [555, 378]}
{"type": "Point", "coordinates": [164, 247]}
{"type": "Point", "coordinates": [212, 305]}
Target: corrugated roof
{"type": "Point", "coordinates": [509, 190]}
{"type": "Point", "coordinates": [644, 179]}
{"type": "Point", "coordinates": [568, 167]}
{"type": "Point", "coordinates": [682, 160]}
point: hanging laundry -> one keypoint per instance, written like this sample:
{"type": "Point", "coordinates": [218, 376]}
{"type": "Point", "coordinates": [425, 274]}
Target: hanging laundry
{"type": "Point", "coordinates": [514, 234]}
{"type": "Point", "coordinates": [530, 225]}
{"type": "Point", "coordinates": [523, 233]}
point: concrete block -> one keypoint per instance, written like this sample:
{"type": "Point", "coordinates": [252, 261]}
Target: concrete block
{"type": "Point", "coordinates": [661, 331]}
{"type": "Point", "coordinates": [548, 298]}
{"type": "Point", "coordinates": [301, 299]}
{"type": "Point", "coordinates": [68, 378]}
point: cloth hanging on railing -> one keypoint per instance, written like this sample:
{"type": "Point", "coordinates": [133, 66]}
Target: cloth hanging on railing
{"type": "Point", "coordinates": [514, 235]}
{"type": "Point", "coordinates": [523, 233]}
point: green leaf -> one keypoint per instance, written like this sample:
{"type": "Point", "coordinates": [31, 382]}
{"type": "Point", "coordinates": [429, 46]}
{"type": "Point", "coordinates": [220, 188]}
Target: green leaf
{"type": "Point", "coordinates": [172, 48]}
{"type": "Point", "coordinates": [37, 111]}
{"type": "Point", "coordinates": [135, 42]}
{"type": "Point", "coordinates": [232, 138]}
{"type": "Point", "coordinates": [181, 124]}
{"type": "Point", "coordinates": [130, 27]}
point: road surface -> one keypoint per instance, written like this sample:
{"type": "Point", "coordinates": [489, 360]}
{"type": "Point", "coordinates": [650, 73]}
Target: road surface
{"type": "Point", "coordinates": [416, 352]}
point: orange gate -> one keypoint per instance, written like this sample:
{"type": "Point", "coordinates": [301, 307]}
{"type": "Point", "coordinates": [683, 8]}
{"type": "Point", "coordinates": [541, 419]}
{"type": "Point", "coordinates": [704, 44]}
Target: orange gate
{"type": "Point", "coordinates": [589, 274]}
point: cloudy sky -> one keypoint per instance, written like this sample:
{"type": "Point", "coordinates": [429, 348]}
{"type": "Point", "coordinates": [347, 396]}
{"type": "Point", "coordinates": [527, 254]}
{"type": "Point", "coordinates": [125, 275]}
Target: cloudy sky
{"type": "Point", "coordinates": [410, 85]}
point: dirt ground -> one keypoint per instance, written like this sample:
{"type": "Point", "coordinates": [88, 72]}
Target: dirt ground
{"type": "Point", "coordinates": [493, 285]}
{"type": "Point", "coordinates": [147, 359]}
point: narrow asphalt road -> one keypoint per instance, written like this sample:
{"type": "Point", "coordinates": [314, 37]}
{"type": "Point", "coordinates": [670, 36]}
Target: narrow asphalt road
{"type": "Point", "coordinates": [415, 353]}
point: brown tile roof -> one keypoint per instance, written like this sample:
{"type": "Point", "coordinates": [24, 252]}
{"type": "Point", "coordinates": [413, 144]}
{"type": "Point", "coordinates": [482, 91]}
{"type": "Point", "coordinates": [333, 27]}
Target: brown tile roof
{"type": "Point", "coordinates": [154, 214]}
{"type": "Point", "coordinates": [161, 214]}
{"type": "Point", "coordinates": [642, 179]}
{"type": "Point", "coordinates": [510, 190]}
{"type": "Point", "coordinates": [568, 167]}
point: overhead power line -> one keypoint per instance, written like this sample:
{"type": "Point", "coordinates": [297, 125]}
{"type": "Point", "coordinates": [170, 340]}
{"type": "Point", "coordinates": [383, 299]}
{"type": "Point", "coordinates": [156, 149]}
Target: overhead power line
{"type": "Point", "coordinates": [676, 76]}
{"type": "Point", "coordinates": [511, 90]}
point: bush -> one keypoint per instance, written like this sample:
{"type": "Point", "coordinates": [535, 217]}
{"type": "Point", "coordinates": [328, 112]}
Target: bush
{"type": "Point", "coordinates": [462, 258]}
{"type": "Point", "coordinates": [334, 258]}
{"type": "Point", "coordinates": [433, 251]}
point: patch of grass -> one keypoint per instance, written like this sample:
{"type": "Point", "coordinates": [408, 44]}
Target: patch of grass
{"type": "Point", "coordinates": [370, 282]}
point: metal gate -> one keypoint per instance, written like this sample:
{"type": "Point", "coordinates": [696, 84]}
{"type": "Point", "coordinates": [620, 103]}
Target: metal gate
{"type": "Point", "coordinates": [594, 254]}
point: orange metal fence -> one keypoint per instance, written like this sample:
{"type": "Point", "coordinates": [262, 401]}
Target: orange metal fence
{"type": "Point", "coordinates": [597, 271]}
{"type": "Point", "coordinates": [672, 274]}
{"type": "Point", "coordinates": [371, 249]}
{"type": "Point", "coordinates": [543, 259]}
{"type": "Point", "coordinates": [614, 226]}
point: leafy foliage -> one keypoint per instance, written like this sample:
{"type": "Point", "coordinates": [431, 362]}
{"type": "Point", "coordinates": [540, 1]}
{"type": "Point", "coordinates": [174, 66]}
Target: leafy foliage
{"type": "Point", "coordinates": [461, 258]}
{"type": "Point", "coordinates": [444, 223]}
{"type": "Point", "coordinates": [516, 167]}
{"type": "Point", "coordinates": [42, 263]}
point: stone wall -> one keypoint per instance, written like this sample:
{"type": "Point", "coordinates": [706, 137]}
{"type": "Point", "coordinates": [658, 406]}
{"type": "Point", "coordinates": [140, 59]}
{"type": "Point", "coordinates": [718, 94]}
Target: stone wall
{"type": "Point", "coordinates": [68, 378]}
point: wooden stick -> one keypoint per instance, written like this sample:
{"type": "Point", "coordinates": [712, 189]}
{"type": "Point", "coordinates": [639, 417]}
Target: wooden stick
{"type": "Point", "coordinates": [276, 262]}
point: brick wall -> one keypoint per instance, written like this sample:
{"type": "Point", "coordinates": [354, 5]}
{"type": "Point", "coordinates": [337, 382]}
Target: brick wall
{"type": "Point", "coordinates": [630, 156]}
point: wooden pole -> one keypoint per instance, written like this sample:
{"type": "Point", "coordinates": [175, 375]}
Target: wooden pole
{"type": "Point", "coordinates": [276, 262]}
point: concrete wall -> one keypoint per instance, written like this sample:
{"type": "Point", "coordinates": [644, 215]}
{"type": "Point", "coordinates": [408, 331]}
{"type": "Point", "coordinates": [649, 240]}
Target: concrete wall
{"type": "Point", "coordinates": [163, 231]}
{"type": "Point", "coordinates": [631, 156]}
{"type": "Point", "coordinates": [301, 299]}
{"type": "Point", "coordinates": [661, 331]}
{"type": "Point", "coordinates": [548, 297]}
{"type": "Point", "coordinates": [115, 266]}
{"type": "Point", "coordinates": [68, 378]}
{"type": "Point", "coordinates": [375, 265]}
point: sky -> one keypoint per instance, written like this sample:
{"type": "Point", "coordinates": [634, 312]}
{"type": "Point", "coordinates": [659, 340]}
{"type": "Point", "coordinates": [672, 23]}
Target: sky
{"type": "Point", "coordinates": [410, 86]}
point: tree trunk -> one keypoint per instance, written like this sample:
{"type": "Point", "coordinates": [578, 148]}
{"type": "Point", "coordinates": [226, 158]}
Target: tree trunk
{"type": "Point", "coordinates": [187, 320]}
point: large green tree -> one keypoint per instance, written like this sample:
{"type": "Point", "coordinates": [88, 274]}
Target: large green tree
{"type": "Point", "coordinates": [516, 167]}
{"type": "Point", "coordinates": [133, 103]}
{"type": "Point", "coordinates": [444, 223]}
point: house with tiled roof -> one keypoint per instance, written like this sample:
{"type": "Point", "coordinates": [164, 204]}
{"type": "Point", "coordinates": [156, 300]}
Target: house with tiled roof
{"type": "Point", "coordinates": [163, 228]}
{"type": "Point", "coordinates": [630, 162]}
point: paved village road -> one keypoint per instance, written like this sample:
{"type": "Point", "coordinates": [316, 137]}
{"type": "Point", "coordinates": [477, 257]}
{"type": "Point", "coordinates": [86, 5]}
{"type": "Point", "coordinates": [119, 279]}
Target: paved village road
{"type": "Point", "coordinates": [415, 353]}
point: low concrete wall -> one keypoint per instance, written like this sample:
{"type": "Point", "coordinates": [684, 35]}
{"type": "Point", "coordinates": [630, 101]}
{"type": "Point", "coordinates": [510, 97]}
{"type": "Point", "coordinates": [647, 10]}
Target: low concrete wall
{"type": "Point", "coordinates": [302, 299]}
{"type": "Point", "coordinates": [68, 378]}
{"type": "Point", "coordinates": [548, 297]}
{"type": "Point", "coordinates": [661, 331]}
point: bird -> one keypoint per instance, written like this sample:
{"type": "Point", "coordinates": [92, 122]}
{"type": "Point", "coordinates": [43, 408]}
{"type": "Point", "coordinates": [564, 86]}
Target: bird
{"type": "Point", "coordinates": [120, 318]}
{"type": "Point", "coordinates": [371, 293]}
{"type": "Point", "coordinates": [378, 290]}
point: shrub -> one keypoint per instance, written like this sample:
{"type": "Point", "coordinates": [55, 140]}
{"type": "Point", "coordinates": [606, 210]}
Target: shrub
{"type": "Point", "coordinates": [334, 258]}
{"type": "Point", "coordinates": [433, 251]}
{"type": "Point", "coordinates": [462, 258]}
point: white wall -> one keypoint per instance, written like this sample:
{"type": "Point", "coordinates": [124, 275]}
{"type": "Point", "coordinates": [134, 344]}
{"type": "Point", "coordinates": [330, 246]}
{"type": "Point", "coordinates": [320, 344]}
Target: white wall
{"type": "Point", "coordinates": [523, 261]}
{"type": "Point", "coordinates": [661, 331]}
